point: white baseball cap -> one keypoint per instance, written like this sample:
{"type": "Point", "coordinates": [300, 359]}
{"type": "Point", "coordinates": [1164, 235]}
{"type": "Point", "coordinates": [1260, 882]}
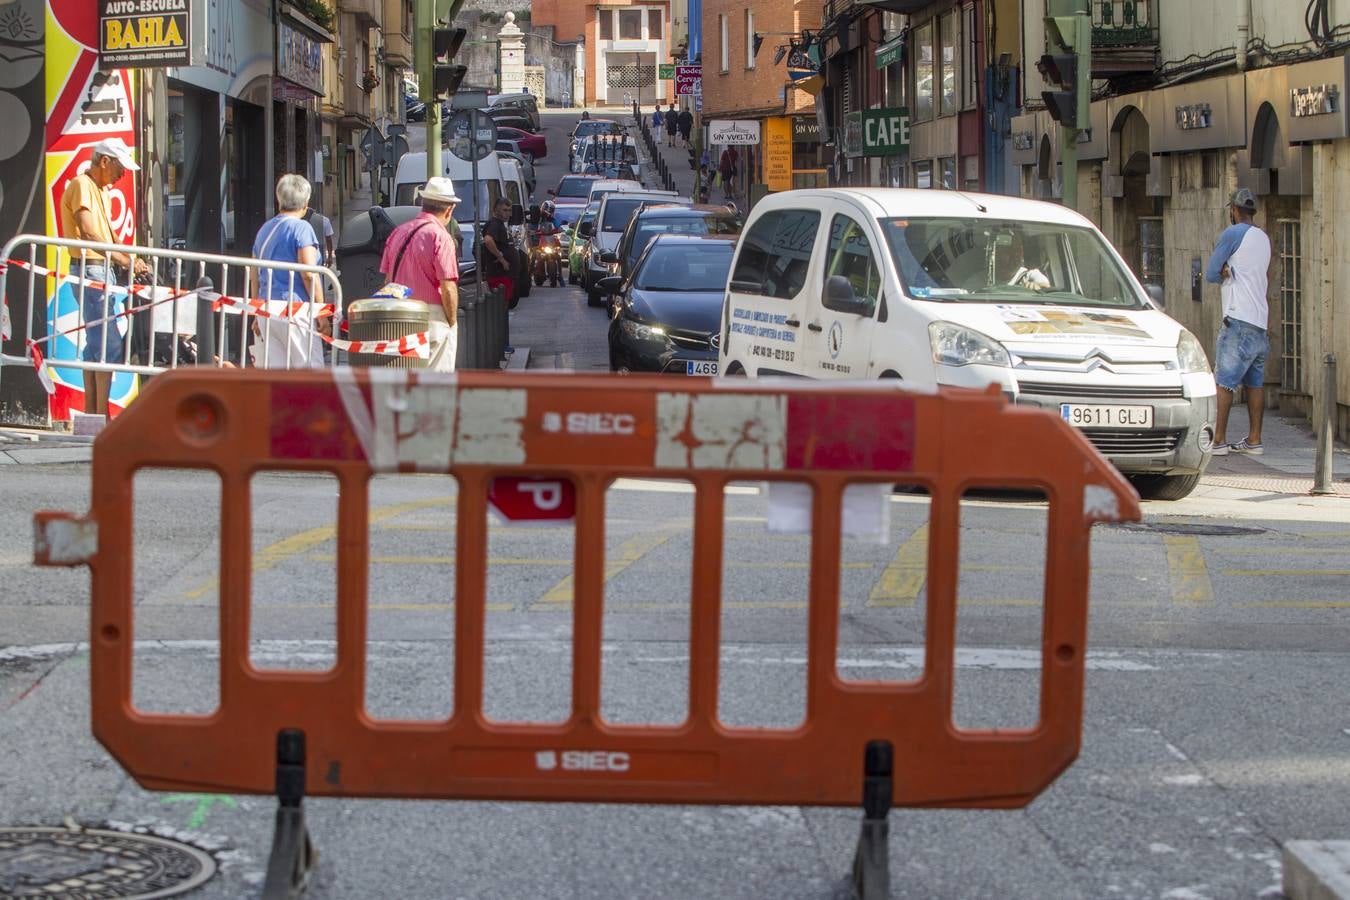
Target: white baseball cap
{"type": "Point", "coordinates": [440, 189]}
{"type": "Point", "coordinates": [115, 148]}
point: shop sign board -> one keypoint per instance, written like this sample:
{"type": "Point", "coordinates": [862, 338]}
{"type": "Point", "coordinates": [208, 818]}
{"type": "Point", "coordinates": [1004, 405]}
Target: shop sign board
{"type": "Point", "coordinates": [885, 132]}
{"type": "Point", "coordinates": [665, 71]}
{"type": "Point", "coordinates": [299, 57]}
{"type": "Point", "coordinates": [733, 132]}
{"type": "Point", "coordinates": [143, 34]}
{"type": "Point", "coordinates": [778, 153]}
{"type": "Point", "coordinates": [688, 80]}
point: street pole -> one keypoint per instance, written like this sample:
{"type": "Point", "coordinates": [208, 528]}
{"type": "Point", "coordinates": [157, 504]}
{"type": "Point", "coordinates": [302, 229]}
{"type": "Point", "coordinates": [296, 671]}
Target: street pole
{"type": "Point", "coordinates": [1322, 469]}
{"type": "Point", "coordinates": [424, 22]}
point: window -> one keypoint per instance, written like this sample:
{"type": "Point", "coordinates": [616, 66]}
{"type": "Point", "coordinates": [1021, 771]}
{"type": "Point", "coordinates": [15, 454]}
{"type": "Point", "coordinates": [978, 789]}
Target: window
{"type": "Point", "coordinates": [851, 256]}
{"type": "Point", "coordinates": [971, 94]}
{"type": "Point", "coordinates": [776, 253]}
{"type": "Point", "coordinates": [655, 24]}
{"type": "Point", "coordinates": [606, 24]}
{"type": "Point", "coordinates": [947, 28]}
{"type": "Point", "coordinates": [1210, 164]}
{"type": "Point", "coordinates": [923, 175]}
{"type": "Point", "coordinates": [630, 24]}
{"type": "Point", "coordinates": [923, 72]}
{"type": "Point", "coordinates": [749, 38]}
{"type": "Point", "coordinates": [1152, 253]}
{"type": "Point", "coordinates": [726, 43]}
{"type": "Point", "coordinates": [1291, 305]}
{"type": "Point", "coordinates": [948, 172]}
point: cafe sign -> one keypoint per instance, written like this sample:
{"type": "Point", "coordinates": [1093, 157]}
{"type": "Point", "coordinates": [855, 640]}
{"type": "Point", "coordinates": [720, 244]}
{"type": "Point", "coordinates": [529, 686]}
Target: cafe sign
{"type": "Point", "coordinates": [143, 34]}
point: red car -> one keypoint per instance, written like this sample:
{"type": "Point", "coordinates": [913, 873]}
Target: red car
{"type": "Point", "coordinates": [532, 145]}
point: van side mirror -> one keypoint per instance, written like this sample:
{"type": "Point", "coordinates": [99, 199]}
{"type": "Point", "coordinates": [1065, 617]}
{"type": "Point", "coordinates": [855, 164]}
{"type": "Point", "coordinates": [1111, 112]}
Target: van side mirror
{"type": "Point", "coordinates": [1156, 294]}
{"type": "Point", "coordinates": [586, 229]}
{"type": "Point", "coordinates": [839, 297]}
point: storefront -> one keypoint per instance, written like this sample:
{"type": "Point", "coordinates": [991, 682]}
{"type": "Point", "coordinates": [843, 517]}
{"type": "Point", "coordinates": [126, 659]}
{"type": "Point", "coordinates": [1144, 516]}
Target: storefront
{"type": "Point", "coordinates": [297, 92]}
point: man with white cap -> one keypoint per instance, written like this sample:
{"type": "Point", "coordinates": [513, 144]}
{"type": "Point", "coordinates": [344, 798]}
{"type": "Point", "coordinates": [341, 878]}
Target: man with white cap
{"type": "Point", "coordinates": [421, 254]}
{"type": "Point", "coordinates": [84, 216]}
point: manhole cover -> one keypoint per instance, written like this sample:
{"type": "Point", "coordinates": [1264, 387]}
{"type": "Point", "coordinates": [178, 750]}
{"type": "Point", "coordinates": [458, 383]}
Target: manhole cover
{"type": "Point", "coordinates": [94, 864]}
{"type": "Point", "coordinates": [1192, 528]}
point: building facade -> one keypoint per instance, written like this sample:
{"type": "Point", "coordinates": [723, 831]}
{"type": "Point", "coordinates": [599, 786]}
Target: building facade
{"type": "Point", "coordinates": [625, 43]}
{"type": "Point", "coordinates": [1184, 120]}
{"type": "Point", "coordinates": [749, 88]}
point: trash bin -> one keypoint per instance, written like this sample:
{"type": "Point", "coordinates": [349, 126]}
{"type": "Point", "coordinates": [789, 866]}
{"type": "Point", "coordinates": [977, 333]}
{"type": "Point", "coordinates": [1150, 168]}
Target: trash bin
{"type": "Point", "coordinates": [384, 319]}
{"type": "Point", "coordinates": [362, 244]}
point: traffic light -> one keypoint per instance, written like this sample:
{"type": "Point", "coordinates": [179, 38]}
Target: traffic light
{"type": "Point", "coordinates": [446, 76]}
{"type": "Point", "coordinates": [1067, 65]}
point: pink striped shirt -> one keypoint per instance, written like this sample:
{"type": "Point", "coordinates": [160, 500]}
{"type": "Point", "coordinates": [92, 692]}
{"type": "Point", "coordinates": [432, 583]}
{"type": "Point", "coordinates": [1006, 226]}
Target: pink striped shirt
{"type": "Point", "coordinates": [429, 260]}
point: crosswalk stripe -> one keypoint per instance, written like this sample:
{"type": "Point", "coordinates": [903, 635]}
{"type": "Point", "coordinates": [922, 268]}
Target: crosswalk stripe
{"type": "Point", "coordinates": [629, 552]}
{"type": "Point", "coordinates": [902, 580]}
{"type": "Point", "coordinates": [1187, 573]}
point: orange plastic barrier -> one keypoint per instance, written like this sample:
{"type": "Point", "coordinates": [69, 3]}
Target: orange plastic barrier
{"type": "Point", "coordinates": [589, 430]}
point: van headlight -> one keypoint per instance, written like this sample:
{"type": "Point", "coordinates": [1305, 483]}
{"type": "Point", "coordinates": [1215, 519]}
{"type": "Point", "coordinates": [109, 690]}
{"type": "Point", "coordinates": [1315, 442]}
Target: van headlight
{"type": "Point", "coordinates": [1190, 355]}
{"type": "Point", "coordinates": [956, 345]}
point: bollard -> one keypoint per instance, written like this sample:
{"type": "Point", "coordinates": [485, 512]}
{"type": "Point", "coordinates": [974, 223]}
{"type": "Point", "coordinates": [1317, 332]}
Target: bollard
{"type": "Point", "coordinates": [1327, 437]}
{"type": "Point", "coordinates": [206, 322]}
{"type": "Point", "coordinates": [466, 356]}
{"type": "Point", "coordinates": [483, 334]}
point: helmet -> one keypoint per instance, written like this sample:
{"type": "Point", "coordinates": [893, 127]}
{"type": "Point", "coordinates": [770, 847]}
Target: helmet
{"type": "Point", "coordinates": [547, 208]}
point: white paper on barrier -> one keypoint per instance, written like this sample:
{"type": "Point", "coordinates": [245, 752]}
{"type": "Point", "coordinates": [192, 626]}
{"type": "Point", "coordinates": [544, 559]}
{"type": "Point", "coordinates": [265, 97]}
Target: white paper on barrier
{"type": "Point", "coordinates": [184, 309]}
{"type": "Point", "coordinates": [866, 514]}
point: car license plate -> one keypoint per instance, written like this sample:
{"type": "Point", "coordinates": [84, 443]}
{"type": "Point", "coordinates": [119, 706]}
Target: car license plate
{"type": "Point", "coordinates": [1081, 416]}
{"type": "Point", "coordinates": [695, 367]}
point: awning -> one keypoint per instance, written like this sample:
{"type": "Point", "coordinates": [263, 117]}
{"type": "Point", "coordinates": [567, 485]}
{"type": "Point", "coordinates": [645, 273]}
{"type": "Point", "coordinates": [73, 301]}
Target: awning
{"type": "Point", "coordinates": [895, 6]}
{"type": "Point", "coordinates": [891, 52]}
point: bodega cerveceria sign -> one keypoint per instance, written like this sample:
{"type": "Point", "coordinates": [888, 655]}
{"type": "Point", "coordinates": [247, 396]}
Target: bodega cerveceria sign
{"type": "Point", "coordinates": [143, 33]}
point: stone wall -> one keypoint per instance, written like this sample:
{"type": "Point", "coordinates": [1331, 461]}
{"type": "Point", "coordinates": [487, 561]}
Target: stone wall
{"type": "Point", "coordinates": [556, 63]}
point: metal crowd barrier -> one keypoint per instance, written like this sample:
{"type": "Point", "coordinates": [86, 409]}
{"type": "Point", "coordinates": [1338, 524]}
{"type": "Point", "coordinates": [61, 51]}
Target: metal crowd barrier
{"type": "Point", "coordinates": [192, 309]}
{"type": "Point", "coordinates": [874, 744]}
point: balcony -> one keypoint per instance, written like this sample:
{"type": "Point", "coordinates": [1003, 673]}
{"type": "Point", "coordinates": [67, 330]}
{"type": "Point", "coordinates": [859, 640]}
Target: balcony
{"type": "Point", "coordinates": [356, 111]}
{"type": "Point", "coordinates": [1124, 37]}
{"type": "Point", "coordinates": [368, 13]}
{"type": "Point", "coordinates": [398, 51]}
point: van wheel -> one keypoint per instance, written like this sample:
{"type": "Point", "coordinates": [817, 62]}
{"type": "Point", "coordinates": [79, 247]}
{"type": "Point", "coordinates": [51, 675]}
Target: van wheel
{"type": "Point", "coordinates": [1165, 487]}
{"type": "Point", "coordinates": [735, 370]}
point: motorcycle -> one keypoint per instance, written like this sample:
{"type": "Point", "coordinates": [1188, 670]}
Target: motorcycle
{"type": "Point", "coordinates": [546, 255]}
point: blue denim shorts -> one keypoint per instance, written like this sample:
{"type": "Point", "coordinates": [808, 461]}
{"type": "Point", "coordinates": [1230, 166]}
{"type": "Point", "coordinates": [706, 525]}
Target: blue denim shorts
{"type": "Point", "coordinates": [1240, 356]}
{"type": "Point", "coordinates": [108, 335]}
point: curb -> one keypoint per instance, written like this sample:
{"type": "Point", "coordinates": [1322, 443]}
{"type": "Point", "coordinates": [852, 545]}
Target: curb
{"type": "Point", "coordinates": [1317, 870]}
{"type": "Point", "coordinates": [518, 361]}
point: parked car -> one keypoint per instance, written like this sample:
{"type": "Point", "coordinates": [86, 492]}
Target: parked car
{"type": "Point", "coordinates": [532, 146]}
{"type": "Point", "coordinates": [604, 233]}
{"type": "Point", "coordinates": [509, 117]}
{"type": "Point", "coordinates": [650, 221]}
{"type": "Point", "coordinates": [667, 315]}
{"type": "Point", "coordinates": [523, 104]}
{"type": "Point", "coordinates": [599, 153]}
{"type": "Point", "coordinates": [947, 288]}
{"type": "Point", "coordinates": [577, 245]}
{"type": "Point", "coordinates": [570, 197]}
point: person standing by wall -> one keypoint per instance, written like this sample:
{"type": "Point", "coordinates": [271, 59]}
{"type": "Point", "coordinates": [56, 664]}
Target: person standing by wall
{"type": "Point", "coordinates": [686, 124]}
{"type": "Point", "coordinates": [422, 255]}
{"type": "Point", "coordinates": [499, 262]}
{"type": "Point", "coordinates": [658, 120]}
{"type": "Point", "coordinates": [1239, 264]}
{"type": "Point", "coordinates": [84, 216]}
{"type": "Point", "coordinates": [672, 125]}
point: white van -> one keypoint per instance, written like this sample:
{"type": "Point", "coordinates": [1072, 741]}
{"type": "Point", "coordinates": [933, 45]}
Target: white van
{"type": "Point", "coordinates": [948, 288]}
{"type": "Point", "coordinates": [514, 185]}
{"type": "Point", "coordinates": [411, 174]}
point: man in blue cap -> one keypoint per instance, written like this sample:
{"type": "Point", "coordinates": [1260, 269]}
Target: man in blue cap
{"type": "Point", "coordinates": [1239, 264]}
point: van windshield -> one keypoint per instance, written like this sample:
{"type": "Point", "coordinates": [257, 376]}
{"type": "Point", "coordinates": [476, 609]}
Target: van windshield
{"type": "Point", "coordinates": [467, 210]}
{"type": "Point", "coordinates": [997, 261]}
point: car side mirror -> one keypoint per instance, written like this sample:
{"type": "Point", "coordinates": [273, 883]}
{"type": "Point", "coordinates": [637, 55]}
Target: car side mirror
{"type": "Point", "coordinates": [517, 214]}
{"type": "Point", "coordinates": [1156, 294]}
{"type": "Point", "coordinates": [839, 297]}
{"type": "Point", "coordinates": [585, 229]}
{"type": "Point", "coordinates": [611, 284]}
{"type": "Point", "coordinates": [552, 192]}
{"type": "Point", "coordinates": [609, 257]}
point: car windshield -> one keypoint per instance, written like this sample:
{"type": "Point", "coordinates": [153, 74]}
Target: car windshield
{"type": "Point", "coordinates": [996, 261]}
{"type": "Point", "coordinates": [647, 230]}
{"type": "Point", "coordinates": [467, 210]}
{"type": "Point", "coordinates": [686, 267]}
{"type": "Point", "coordinates": [618, 210]}
{"type": "Point", "coordinates": [610, 151]}
{"type": "Point", "coordinates": [575, 187]}
{"type": "Point", "coordinates": [595, 126]}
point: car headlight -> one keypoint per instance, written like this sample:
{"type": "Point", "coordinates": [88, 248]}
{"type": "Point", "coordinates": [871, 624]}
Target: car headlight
{"type": "Point", "coordinates": [956, 345]}
{"type": "Point", "coordinates": [1190, 355]}
{"type": "Point", "coordinates": [640, 332]}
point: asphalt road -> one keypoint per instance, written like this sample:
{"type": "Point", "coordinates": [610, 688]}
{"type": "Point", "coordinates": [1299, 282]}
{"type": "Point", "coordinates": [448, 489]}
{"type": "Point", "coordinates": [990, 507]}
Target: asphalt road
{"type": "Point", "coordinates": [1216, 727]}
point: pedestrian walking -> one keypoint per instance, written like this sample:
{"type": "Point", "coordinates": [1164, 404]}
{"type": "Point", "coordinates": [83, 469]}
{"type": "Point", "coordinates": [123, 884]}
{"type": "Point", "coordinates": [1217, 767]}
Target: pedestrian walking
{"type": "Point", "coordinates": [1239, 265]}
{"type": "Point", "coordinates": [290, 342]}
{"type": "Point", "coordinates": [421, 255]}
{"type": "Point", "coordinates": [658, 120]}
{"type": "Point", "coordinates": [323, 227]}
{"type": "Point", "coordinates": [84, 216]}
{"type": "Point", "coordinates": [686, 124]}
{"type": "Point", "coordinates": [726, 168]}
{"type": "Point", "coordinates": [499, 261]}
{"type": "Point", "coordinates": [703, 186]}
{"type": "Point", "coordinates": [672, 125]}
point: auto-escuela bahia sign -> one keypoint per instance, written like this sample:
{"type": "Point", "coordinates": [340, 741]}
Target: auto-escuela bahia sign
{"type": "Point", "coordinates": [143, 34]}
